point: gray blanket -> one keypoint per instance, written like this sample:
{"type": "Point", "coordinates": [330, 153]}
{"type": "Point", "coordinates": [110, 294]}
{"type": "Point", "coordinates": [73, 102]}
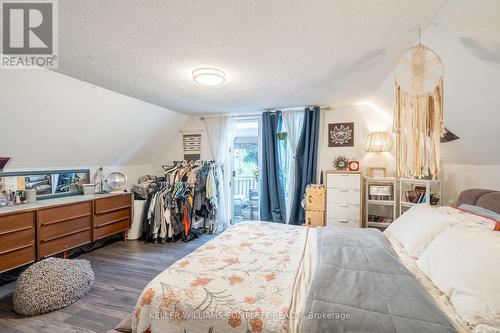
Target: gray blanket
{"type": "Point", "coordinates": [361, 286]}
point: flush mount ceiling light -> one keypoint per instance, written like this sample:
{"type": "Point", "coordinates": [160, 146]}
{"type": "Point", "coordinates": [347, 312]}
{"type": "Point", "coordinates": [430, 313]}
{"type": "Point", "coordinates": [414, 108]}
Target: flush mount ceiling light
{"type": "Point", "coordinates": [209, 76]}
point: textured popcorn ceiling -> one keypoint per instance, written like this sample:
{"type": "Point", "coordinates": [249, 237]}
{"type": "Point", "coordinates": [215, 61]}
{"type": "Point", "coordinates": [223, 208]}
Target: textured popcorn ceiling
{"type": "Point", "coordinates": [275, 53]}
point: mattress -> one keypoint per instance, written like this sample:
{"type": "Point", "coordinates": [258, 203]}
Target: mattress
{"type": "Point", "coordinates": [254, 277]}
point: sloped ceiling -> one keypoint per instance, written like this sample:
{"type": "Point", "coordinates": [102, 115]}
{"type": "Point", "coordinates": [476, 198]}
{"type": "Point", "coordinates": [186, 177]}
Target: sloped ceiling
{"type": "Point", "coordinates": [466, 35]}
{"type": "Point", "coordinates": [55, 121]}
{"type": "Point", "coordinates": [275, 53]}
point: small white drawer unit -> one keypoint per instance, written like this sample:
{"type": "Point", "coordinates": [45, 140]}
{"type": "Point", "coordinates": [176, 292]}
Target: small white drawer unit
{"type": "Point", "coordinates": [343, 199]}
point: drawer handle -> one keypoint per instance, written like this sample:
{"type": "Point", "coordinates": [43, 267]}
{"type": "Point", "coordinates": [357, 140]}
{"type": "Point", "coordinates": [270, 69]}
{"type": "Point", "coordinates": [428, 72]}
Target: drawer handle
{"type": "Point", "coordinates": [344, 190]}
{"type": "Point", "coordinates": [343, 221]}
{"type": "Point", "coordinates": [71, 233]}
{"type": "Point", "coordinates": [15, 230]}
{"type": "Point", "coordinates": [112, 222]}
{"type": "Point", "coordinates": [75, 217]}
{"type": "Point", "coordinates": [98, 212]}
{"type": "Point", "coordinates": [17, 248]}
{"type": "Point", "coordinates": [344, 206]}
{"type": "Point", "coordinates": [343, 175]}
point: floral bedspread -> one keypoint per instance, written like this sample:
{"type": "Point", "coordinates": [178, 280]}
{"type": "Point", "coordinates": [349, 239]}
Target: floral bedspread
{"type": "Point", "coordinates": [241, 281]}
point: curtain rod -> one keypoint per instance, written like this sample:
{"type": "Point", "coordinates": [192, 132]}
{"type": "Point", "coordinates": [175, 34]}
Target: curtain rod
{"type": "Point", "coordinates": [242, 115]}
{"type": "Point", "coordinates": [326, 108]}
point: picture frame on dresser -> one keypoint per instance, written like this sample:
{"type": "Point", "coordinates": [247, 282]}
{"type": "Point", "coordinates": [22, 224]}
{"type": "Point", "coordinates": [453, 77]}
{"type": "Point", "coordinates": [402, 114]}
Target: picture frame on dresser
{"type": "Point", "coordinates": [377, 172]}
{"type": "Point", "coordinates": [344, 198]}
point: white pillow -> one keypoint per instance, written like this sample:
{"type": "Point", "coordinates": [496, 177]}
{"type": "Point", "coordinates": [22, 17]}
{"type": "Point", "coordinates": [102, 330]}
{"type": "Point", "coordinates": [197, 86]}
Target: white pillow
{"type": "Point", "coordinates": [418, 226]}
{"type": "Point", "coordinates": [463, 263]}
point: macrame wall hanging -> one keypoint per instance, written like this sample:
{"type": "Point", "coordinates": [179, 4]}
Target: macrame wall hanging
{"type": "Point", "coordinates": [418, 113]}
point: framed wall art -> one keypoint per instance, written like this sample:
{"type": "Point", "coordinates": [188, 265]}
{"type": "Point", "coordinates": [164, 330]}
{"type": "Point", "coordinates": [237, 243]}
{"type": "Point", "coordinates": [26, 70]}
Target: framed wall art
{"type": "Point", "coordinates": [377, 172]}
{"type": "Point", "coordinates": [192, 146]}
{"type": "Point", "coordinates": [341, 135]}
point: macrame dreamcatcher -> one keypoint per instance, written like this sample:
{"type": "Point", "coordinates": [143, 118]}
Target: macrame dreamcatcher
{"type": "Point", "coordinates": [418, 113]}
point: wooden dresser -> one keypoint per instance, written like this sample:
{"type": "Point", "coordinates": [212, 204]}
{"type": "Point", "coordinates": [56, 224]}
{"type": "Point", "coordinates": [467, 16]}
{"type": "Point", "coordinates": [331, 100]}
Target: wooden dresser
{"type": "Point", "coordinates": [343, 199]}
{"type": "Point", "coordinates": [36, 231]}
{"type": "Point", "coordinates": [17, 240]}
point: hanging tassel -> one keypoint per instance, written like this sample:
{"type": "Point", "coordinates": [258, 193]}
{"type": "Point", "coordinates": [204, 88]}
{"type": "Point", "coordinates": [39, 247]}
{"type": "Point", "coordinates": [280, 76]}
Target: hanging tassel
{"type": "Point", "coordinates": [419, 126]}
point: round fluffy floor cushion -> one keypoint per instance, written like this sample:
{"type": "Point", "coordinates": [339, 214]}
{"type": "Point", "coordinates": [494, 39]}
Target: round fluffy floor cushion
{"type": "Point", "coordinates": [52, 284]}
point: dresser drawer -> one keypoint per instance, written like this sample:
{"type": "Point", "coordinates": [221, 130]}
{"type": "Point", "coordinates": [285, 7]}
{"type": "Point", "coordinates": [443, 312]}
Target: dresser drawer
{"type": "Point", "coordinates": [109, 204]}
{"type": "Point", "coordinates": [102, 220]}
{"type": "Point", "coordinates": [57, 230]}
{"type": "Point", "coordinates": [105, 230]}
{"type": "Point", "coordinates": [338, 222]}
{"type": "Point", "coordinates": [343, 180]}
{"type": "Point", "coordinates": [73, 239]}
{"type": "Point", "coordinates": [19, 256]}
{"type": "Point", "coordinates": [343, 196]}
{"type": "Point", "coordinates": [11, 240]}
{"type": "Point", "coordinates": [343, 211]}
{"type": "Point", "coordinates": [13, 222]}
{"type": "Point", "coordinates": [64, 213]}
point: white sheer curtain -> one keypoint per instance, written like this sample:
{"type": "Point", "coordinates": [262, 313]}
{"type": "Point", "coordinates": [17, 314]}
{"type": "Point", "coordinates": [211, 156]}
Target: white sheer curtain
{"type": "Point", "coordinates": [220, 132]}
{"type": "Point", "coordinates": [294, 121]}
{"type": "Point", "coordinates": [321, 142]}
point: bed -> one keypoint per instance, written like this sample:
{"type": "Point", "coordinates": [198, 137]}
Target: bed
{"type": "Point", "coordinates": [267, 277]}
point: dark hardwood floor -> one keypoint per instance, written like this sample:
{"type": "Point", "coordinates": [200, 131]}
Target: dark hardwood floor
{"type": "Point", "coordinates": [121, 272]}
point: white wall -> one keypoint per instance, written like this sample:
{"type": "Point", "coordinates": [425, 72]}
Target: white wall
{"type": "Point", "coordinates": [193, 124]}
{"type": "Point", "coordinates": [458, 177]}
{"type": "Point", "coordinates": [52, 121]}
{"type": "Point", "coordinates": [465, 35]}
{"type": "Point", "coordinates": [367, 118]}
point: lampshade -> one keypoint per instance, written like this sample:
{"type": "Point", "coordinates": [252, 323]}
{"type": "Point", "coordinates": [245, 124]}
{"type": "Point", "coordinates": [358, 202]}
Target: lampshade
{"type": "Point", "coordinates": [377, 142]}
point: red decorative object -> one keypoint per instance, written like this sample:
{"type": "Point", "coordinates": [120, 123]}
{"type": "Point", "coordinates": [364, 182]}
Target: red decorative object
{"type": "Point", "coordinates": [353, 165]}
{"type": "Point", "coordinates": [3, 162]}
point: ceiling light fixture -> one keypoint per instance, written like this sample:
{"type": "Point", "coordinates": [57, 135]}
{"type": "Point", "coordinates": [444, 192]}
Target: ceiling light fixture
{"type": "Point", "coordinates": [209, 76]}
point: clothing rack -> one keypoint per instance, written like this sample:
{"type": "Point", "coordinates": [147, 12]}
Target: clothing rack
{"type": "Point", "coordinates": [183, 203]}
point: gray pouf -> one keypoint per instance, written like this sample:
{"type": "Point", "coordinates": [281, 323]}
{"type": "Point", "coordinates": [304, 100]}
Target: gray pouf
{"type": "Point", "coordinates": [52, 284]}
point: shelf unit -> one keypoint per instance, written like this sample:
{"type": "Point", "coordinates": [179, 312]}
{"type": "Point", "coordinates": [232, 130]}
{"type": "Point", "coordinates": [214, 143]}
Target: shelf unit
{"type": "Point", "coordinates": [380, 205]}
{"type": "Point", "coordinates": [432, 189]}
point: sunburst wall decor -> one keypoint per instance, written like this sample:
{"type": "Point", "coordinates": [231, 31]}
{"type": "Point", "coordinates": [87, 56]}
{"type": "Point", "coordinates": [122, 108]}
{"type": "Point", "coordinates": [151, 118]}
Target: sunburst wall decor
{"type": "Point", "coordinates": [340, 163]}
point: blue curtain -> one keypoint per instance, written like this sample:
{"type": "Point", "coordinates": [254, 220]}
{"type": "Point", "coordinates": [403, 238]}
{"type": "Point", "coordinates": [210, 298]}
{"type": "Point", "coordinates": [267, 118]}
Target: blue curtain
{"type": "Point", "coordinates": [306, 163]}
{"type": "Point", "coordinates": [272, 196]}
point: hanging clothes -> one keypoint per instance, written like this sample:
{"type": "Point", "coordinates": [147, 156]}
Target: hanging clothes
{"type": "Point", "coordinates": [181, 204]}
